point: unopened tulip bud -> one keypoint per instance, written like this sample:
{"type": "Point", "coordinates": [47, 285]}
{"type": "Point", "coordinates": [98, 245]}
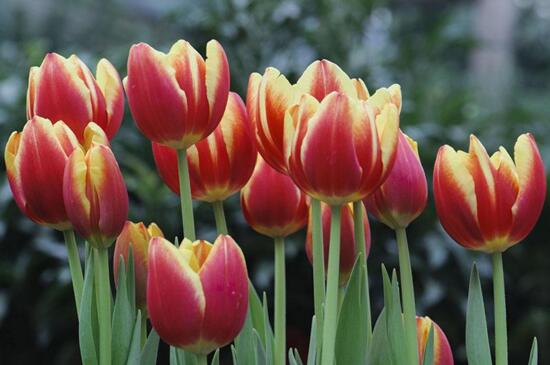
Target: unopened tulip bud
{"type": "Point", "coordinates": [442, 353]}
{"type": "Point", "coordinates": [177, 98]}
{"type": "Point", "coordinates": [402, 197]}
{"type": "Point", "coordinates": [272, 204]}
{"type": "Point", "coordinates": [65, 89]}
{"type": "Point", "coordinates": [219, 165]}
{"type": "Point", "coordinates": [197, 294]}
{"type": "Point", "coordinates": [489, 203]}
{"type": "Point", "coordinates": [347, 238]}
{"type": "Point", "coordinates": [136, 236]}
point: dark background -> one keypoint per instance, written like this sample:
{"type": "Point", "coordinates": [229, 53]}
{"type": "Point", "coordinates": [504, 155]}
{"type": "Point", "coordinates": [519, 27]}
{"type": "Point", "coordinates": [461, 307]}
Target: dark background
{"type": "Point", "coordinates": [465, 67]}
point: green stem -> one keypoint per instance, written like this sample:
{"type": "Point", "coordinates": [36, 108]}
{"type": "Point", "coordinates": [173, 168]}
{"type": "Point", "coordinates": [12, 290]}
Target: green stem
{"type": "Point", "coordinates": [407, 290]}
{"type": "Point", "coordinates": [202, 359]}
{"type": "Point", "coordinates": [331, 301]}
{"type": "Point", "coordinates": [318, 271]}
{"type": "Point", "coordinates": [280, 302]}
{"type": "Point", "coordinates": [359, 233]}
{"type": "Point", "coordinates": [219, 215]}
{"type": "Point", "coordinates": [501, 338]}
{"type": "Point", "coordinates": [103, 299]}
{"type": "Point", "coordinates": [75, 267]}
{"type": "Point", "coordinates": [185, 196]}
{"type": "Point", "coordinates": [143, 329]}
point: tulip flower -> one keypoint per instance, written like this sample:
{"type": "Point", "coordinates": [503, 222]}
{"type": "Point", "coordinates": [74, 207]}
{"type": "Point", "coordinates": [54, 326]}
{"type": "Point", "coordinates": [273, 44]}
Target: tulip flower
{"type": "Point", "coordinates": [402, 197]}
{"type": "Point", "coordinates": [95, 195]}
{"type": "Point", "coordinates": [272, 204]}
{"type": "Point", "coordinates": [35, 161]}
{"type": "Point", "coordinates": [342, 151]}
{"type": "Point", "coordinates": [347, 239]}
{"type": "Point", "coordinates": [177, 98]}
{"type": "Point", "coordinates": [442, 353]}
{"type": "Point", "coordinates": [65, 89]}
{"type": "Point", "coordinates": [219, 165]}
{"type": "Point", "coordinates": [489, 203]}
{"type": "Point", "coordinates": [136, 236]}
{"type": "Point", "coordinates": [197, 294]}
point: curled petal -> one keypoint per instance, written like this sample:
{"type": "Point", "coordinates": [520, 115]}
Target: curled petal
{"type": "Point", "coordinates": [217, 82]}
{"type": "Point", "coordinates": [324, 77]}
{"type": "Point", "coordinates": [109, 82]}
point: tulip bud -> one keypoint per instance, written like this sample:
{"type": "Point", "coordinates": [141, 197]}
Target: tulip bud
{"type": "Point", "coordinates": [65, 89]}
{"type": "Point", "coordinates": [219, 165]}
{"type": "Point", "coordinates": [95, 195]}
{"type": "Point", "coordinates": [197, 295]}
{"type": "Point", "coordinates": [347, 238]}
{"type": "Point", "coordinates": [341, 151]}
{"type": "Point", "coordinates": [402, 197]}
{"type": "Point", "coordinates": [489, 203]}
{"type": "Point", "coordinates": [35, 160]}
{"type": "Point", "coordinates": [442, 353]}
{"type": "Point", "coordinates": [271, 94]}
{"type": "Point", "coordinates": [137, 236]}
{"type": "Point", "coordinates": [177, 98]}
{"type": "Point", "coordinates": [272, 204]}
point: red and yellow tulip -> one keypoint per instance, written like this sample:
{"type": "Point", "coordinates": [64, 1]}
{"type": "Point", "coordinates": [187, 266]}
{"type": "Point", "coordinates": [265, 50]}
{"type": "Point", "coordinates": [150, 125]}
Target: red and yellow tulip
{"type": "Point", "coordinates": [197, 294]}
{"type": "Point", "coordinates": [94, 193]}
{"type": "Point", "coordinates": [442, 353]}
{"type": "Point", "coordinates": [136, 236]}
{"type": "Point", "coordinates": [35, 161]}
{"type": "Point", "coordinates": [347, 238]}
{"type": "Point", "coordinates": [65, 89]}
{"type": "Point", "coordinates": [489, 203]}
{"type": "Point", "coordinates": [177, 98]}
{"type": "Point", "coordinates": [342, 149]}
{"type": "Point", "coordinates": [219, 165]}
{"type": "Point", "coordinates": [272, 204]}
{"type": "Point", "coordinates": [403, 195]}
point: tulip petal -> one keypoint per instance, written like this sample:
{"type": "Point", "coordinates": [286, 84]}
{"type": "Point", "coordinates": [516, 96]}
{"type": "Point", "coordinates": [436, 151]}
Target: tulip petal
{"type": "Point", "coordinates": [34, 73]}
{"type": "Point", "coordinates": [361, 89]}
{"type": "Point", "coordinates": [110, 85]}
{"type": "Point", "coordinates": [166, 160]}
{"type": "Point", "coordinates": [324, 77]}
{"type": "Point", "coordinates": [217, 82]}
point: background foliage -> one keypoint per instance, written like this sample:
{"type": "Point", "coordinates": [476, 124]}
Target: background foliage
{"type": "Point", "coordinates": [464, 66]}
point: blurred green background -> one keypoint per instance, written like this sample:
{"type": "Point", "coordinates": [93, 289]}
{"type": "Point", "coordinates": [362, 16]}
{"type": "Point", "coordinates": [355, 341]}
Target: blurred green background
{"type": "Point", "coordinates": [477, 66]}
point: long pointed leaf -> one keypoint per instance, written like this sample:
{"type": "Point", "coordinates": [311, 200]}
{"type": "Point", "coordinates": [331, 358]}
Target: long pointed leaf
{"type": "Point", "coordinates": [429, 350]}
{"type": "Point", "coordinates": [534, 356]}
{"type": "Point", "coordinates": [123, 319]}
{"type": "Point", "coordinates": [477, 338]}
{"type": "Point", "coordinates": [150, 350]}
{"type": "Point", "coordinates": [312, 351]}
{"type": "Point", "coordinates": [134, 351]}
{"type": "Point", "coordinates": [85, 329]}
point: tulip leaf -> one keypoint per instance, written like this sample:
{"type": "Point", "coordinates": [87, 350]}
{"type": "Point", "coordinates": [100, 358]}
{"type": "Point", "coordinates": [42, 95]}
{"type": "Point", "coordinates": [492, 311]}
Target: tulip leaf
{"type": "Point", "coordinates": [88, 349]}
{"type": "Point", "coordinates": [123, 318]}
{"type": "Point", "coordinates": [131, 280]}
{"type": "Point", "coordinates": [216, 358]}
{"type": "Point", "coordinates": [534, 356]}
{"type": "Point", "coordinates": [174, 359]}
{"type": "Point", "coordinates": [256, 311]}
{"type": "Point", "coordinates": [234, 355]}
{"type": "Point", "coordinates": [268, 334]}
{"type": "Point", "coordinates": [394, 318]}
{"type": "Point", "coordinates": [293, 359]}
{"type": "Point", "coordinates": [379, 351]}
{"type": "Point", "coordinates": [429, 350]}
{"type": "Point", "coordinates": [312, 351]}
{"type": "Point", "coordinates": [297, 357]}
{"type": "Point", "coordinates": [134, 351]}
{"type": "Point", "coordinates": [244, 342]}
{"type": "Point", "coordinates": [351, 335]}
{"type": "Point", "coordinates": [477, 339]}
{"type": "Point", "coordinates": [260, 351]}
{"type": "Point", "coordinates": [150, 350]}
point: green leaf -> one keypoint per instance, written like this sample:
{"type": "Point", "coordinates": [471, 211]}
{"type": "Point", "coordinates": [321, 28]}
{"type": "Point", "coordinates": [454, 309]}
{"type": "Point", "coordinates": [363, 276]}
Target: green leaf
{"type": "Point", "coordinates": [244, 342]}
{"type": "Point", "coordinates": [88, 349]}
{"type": "Point", "coordinates": [291, 358]}
{"type": "Point", "coordinates": [256, 311]}
{"type": "Point", "coordinates": [429, 350]}
{"type": "Point", "coordinates": [394, 319]}
{"type": "Point", "coordinates": [216, 358]}
{"type": "Point", "coordinates": [150, 350]}
{"type": "Point", "coordinates": [123, 319]}
{"type": "Point", "coordinates": [379, 351]}
{"type": "Point", "coordinates": [268, 334]}
{"type": "Point", "coordinates": [351, 335]}
{"type": "Point", "coordinates": [312, 351]}
{"type": "Point", "coordinates": [534, 356]}
{"type": "Point", "coordinates": [297, 357]}
{"type": "Point", "coordinates": [477, 340]}
{"type": "Point", "coordinates": [134, 350]}
{"type": "Point", "coordinates": [174, 359]}
{"type": "Point", "coordinates": [260, 350]}
{"type": "Point", "coordinates": [130, 281]}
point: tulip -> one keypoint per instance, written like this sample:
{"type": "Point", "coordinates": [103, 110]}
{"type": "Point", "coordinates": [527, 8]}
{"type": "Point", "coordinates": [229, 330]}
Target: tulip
{"type": "Point", "coordinates": [177, 98]}
{"type": "Point", "coordinates": [271, 94]}
{"type": "Point", "coordinates": [442, 353]}
{"type": "Point", "coordinates": [197, 295]}
{"type": "Point", "coordinates": [219, 165]}
{"type": "Point", "coordinates": [272, 204]}
{"type": "Point", "coordinates": [65, 89]}
{"type": "Point", "coordinates": [342, 151]}
{"type": "Point", "coordinates": [347, 238]}
{"type": "Point", "coordinates": [136, 236]}
{"type": "Point", "coordinates": [35, 160]}
{"type": "Point", "coordinates": [402, 197]}
{"type": "Point", "coordinates": [95, 195]}
{"type": "Point", "coordinates": [489, 203]}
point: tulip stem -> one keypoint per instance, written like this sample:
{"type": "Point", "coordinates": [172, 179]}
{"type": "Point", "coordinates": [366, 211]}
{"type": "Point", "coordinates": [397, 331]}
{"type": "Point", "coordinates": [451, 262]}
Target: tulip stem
{"type": "Point", "coordinates": [185, 196]}
{"type": "Point", "coordinates": [280, 302]}
{"type": "Point", "coordinates": [318, 271]}
{"type": "Point", "coordinates": [219, 216]}
{"type": "Point", "coordinates": [407, 294]}
{"type": "Point", "coordinates": [331, 302]}
{"type": "Point", "coordinates": [202, 359]}
{"type": "Point", "coordinates": [75, 267]}
{"type": "Point", "coordinates": [103, 299]}
{"type": "Point", "coordinates": [501, 338]}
